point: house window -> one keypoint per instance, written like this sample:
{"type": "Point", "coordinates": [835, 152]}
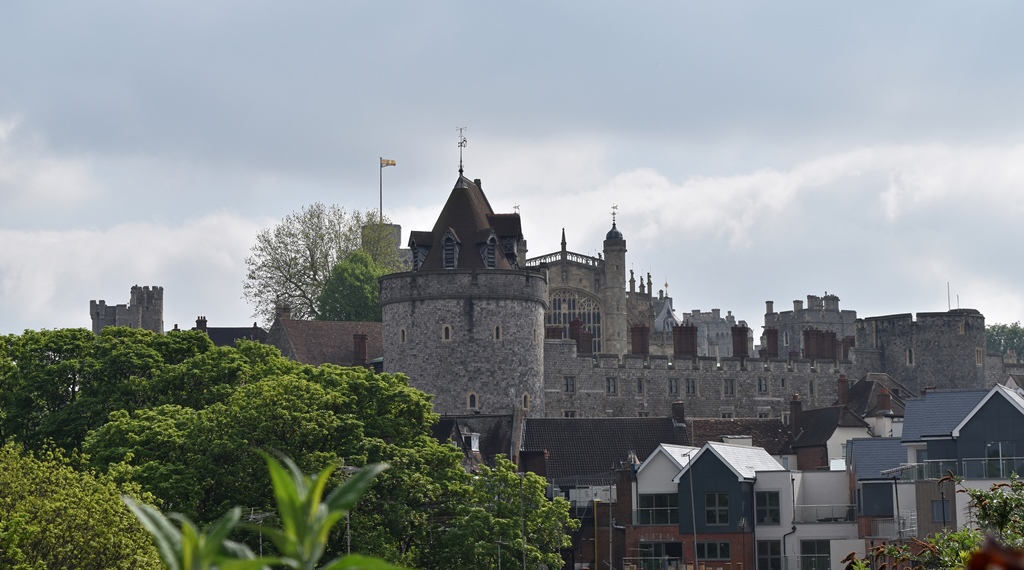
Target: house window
{"type": "Point", "coordinates": [716, 508]}
{"type": "Point", "coordinates": [769, 555]}
{"type": "Point", "coordinates": [727, 415]}
{"type": "Point", "coordinates": [767, 503]}
{"type": "Point", "coordinates": [940, 511]}
{"type": "Point", "coordinates": [471, 401]}
{"type": "Point", "coordinates": [785, 418]}
{"type": "Point", "coordinates": [497, 332]}
{"type": "Point", "coordinates": [713, 551]}
{"type": "Point", "coordinates": [446, 332]}
{"type": "Point", "coordinates": [762, 385]}
{"type": "Point", "coordinates": [569, 414]}
{"type": "Point", "coordinates": [815, 555]}
{"type": "Point", "coordinates": [673, 386]}
{"type": "Point", "coordinates": [640, 386]}
{"type": "Point", "coordinates": [610, 386]}
{"type": "Point", "coordinates": [570, 384]}
{"type": "Point", "coordinates": [655, 554]}
{"type": "Point", "coordinates": [691, 387]}
{"type": "Point", "coordinates": [662, 508]}
{"type": "Point", "coordinates": [401, 336]}
{"type": "Point", "coordinates": [728, 387]}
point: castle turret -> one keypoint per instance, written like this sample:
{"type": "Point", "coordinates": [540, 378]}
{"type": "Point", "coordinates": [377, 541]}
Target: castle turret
{"type": "Point", "coordinates": [614, 293]}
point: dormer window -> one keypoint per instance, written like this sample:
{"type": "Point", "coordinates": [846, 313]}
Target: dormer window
{"type": "Point", "coordinates": [490, 252]}
{"type": "Point", "coordinates": [451, 250]}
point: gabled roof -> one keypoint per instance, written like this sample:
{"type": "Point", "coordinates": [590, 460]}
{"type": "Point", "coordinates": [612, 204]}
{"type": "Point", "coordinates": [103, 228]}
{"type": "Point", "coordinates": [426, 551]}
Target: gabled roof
{"type": "Point", "coordinates": [678, 454]}
{"type": "Point", "coordinates": [324, 342]}
{"type": "Point", "coordinates": [937, 413]}
{"type": "Point", "coordinates": [495, 433]}
{"type": "Point", "coordinates": [589, 448]}
{"type": "Point", "coordinates": [862, 398]}
{"type": "Point", "coordinates": [871, 455]}
{"type": "Point", "coordinates": [743, 460]}
{"type": "Point", "coordinates": [467, 215]}
{"type": "Point", "coordinates": [1011, 396]}
{"type": "Point", "coordinates": [770, 434]}
{"type": "Point", "coordinates": [816, 426]}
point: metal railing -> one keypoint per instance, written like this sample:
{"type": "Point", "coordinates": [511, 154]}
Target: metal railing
{"type": "Point", "coordinates": [825, 514]}
{"type": "Point", "coordinates": [996, 468]}
{"type": "Point", "coordinates": [903, 527]}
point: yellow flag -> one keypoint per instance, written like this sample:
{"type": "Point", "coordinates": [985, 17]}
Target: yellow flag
{"type": "Point", "coordinates": [386, 162]}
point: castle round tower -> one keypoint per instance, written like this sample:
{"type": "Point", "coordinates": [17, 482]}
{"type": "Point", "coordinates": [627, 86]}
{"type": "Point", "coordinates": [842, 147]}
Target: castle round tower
{"type": "Point", "coordinates": [467, 324]}
{"type": "Point", "coordinates": [614, 293]}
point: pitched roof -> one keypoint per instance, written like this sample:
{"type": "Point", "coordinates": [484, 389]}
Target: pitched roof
{"type": "Point", "coordinates": [579, 448]}
{"type": "Point", "coordinates": [745, 461]}
{"type": "Point", "coordinates": [871, 455]}
{"type": "Point", "coordinates": [678, 454]}
{"type": "Point", "coordinates": [770, 434]}
{"type": "Point", "coordinates": [862, 398]}
{"type": "Point", "coordinates": [816, 426]}
{"type": "Point", "coordinates": [936, 413]}
{"type": "Point", "coordinates": [227, 336]}
{"type": "Point", "coordinates": [325, 342]}
{"type": "Point", "coordinates": [1012, 396]}
{"type": "Point", "coordinates": [495, 433]}
{"type": "Point", "coordinates": [468, 216]}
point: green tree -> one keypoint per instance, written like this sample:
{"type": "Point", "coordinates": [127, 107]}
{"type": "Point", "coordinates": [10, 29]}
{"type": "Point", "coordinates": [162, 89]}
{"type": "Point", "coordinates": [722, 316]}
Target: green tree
{"type": "Point", "coordinates": [1001, 339]}
{"type": "Point", "coordinates": [351, 292]}
{"type": "Point", "coordinates": [52, 516]}
{"type": "Point", "coordinates": [291, 262]}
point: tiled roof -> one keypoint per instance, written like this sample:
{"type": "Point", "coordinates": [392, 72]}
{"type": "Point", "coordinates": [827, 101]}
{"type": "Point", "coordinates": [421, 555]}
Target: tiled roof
{"type": "Point", "coordinates": [1011, 394]}
{"type": "Point", "coordinates": [936, 413]}
{"type": "Point", "coordinates": [816, 426]}
{"type": "Point", "coordinates": [680, 454]}
{"type": "Point", "coordinates": [592, 447]}
{"type": "Point", "coordinates": [872, 455]}
{"type": "Point", "coordinates": [863, 396]}
{"type": "Point", "coordinates": [467, 215]}
{"type": "Point", "coordinates": [495, 433]}
{"type": "Point", "coordinates": [744, 460]}
{"type": "Point", "coordinates": [226, 336]}
{"type": "Point", "coordinates": [769, 434]}
{"type": "Point", "coordinates": [323, 342]}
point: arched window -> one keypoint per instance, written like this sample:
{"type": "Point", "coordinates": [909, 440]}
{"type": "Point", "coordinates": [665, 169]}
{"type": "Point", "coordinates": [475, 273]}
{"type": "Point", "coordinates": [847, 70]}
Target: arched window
{"type": "Point", "coordinates": [451, 252]}
{"type": "Point", "coordinates": [471, 401]}
{"type": "Point", "coordinates": [526, 401]}
{"type": "Point", "coordinates": [446, 332]}
{"type": "Point", "coordinates": [497, 332]}
{"type": "Point", "coordinates": [569, 304]}
{"type": "Point", "coordinates": [401, 336]}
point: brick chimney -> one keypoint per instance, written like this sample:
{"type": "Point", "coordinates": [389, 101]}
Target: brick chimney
{"type": "Point", "coordinates": [641, 339]}
{"type": "Point", "coordinates": [201, 323]}
{"type": "Point", "coordinates": [283, 311]}
{"type": "Point", "coordinates": [884, 400]}
{"type": "Point", "coordinates": [739, 341]}
{"type": "Point", "coordinates": [684, 341]}
{"type": "Point", "coordinates": [585, 345]}
{"type": "Point", "coordinates": [552, 332]}
{"type": "Point", "coordinates": [771, 342]}
{"type": "Point", "coordinates": [844, 389]}
{"type": "Point", "coordinates": [359, 349]}
{"type": "Point", "coordinates": [795, 406]}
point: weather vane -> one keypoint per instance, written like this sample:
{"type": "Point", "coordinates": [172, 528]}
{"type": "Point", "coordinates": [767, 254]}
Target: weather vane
{"type": "Point", "coordinates": [516, 208]}
{"type": "Point", "coordinates": [462, 144]}
{"type": "Point", "coordinates": [615, 209]}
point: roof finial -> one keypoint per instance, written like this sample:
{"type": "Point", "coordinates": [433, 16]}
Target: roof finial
{"type": "Point", "coordinates": [462, 145]}
{"type": "Point", "coordinates": [615, 210]}
{"type": "Point", "coordinates": [563, 239]}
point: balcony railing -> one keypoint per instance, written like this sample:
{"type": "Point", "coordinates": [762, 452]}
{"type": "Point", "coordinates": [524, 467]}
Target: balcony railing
{"type": "Point", "coordinates": [904, 527]}
{"type": "Point", "coordinates": [652, 563]}
{"type": "Point", "coordinates": [973, 468]}
{"type": "Point", "coordinates": [825, 514]}
{"type": "Point", "coordinates": [662, 516]}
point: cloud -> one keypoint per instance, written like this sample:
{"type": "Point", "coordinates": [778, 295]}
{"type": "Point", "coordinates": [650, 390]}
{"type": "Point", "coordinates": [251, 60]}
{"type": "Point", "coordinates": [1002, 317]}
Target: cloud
{"type": "Point", "coordinates": [31, 178]}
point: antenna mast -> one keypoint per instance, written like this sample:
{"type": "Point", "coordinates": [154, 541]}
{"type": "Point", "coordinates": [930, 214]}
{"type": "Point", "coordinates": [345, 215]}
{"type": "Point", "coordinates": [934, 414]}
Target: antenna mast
{"type": "Point", "coordinates": [462, 145]}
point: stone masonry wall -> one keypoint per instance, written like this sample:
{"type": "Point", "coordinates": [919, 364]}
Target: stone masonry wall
{"type": "Point", "coordinates": [498, 369]}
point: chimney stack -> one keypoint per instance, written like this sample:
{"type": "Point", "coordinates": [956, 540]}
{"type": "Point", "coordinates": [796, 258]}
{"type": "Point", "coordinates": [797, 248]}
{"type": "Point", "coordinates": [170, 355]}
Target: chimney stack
{"type": "Point", "coordinates": [739, 341]}
{"type": "Point", "coordinates": [884, 399]}
{"type": "Point", "coordinates": [201, 323]}
{"type": "Point", "coordinates": [844, 389]}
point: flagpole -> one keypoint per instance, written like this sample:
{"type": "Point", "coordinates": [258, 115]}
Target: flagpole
{"type": "Point", "coordinates": [380, 211]}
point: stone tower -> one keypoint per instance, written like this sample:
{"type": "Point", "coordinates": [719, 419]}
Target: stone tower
{"type": "Point", "coordinates": [145, 310]}
{"type": "Point", "coordinates": [613, 293]}
{"type": "Point", "coordinates": [467, 323]}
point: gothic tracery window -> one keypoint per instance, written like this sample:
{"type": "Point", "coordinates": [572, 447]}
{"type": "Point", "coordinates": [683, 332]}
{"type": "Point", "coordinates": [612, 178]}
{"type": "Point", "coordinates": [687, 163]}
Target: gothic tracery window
{"type": "Point", "coordinates": [567, 305]}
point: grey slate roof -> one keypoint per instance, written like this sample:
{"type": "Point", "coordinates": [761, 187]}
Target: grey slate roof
{"type": "Point", "coordinates": [578, 448]}
{"type": "Point", "coordinates": [495, 433]}
{"type": "Point", "coordinates": [745, 461]}
{"type": "Point", "coordinates": [324, 342]}
{"type": "Point", "coordinates": [936, 413]}
{"type": "Point", "coordinates": [870, 456]}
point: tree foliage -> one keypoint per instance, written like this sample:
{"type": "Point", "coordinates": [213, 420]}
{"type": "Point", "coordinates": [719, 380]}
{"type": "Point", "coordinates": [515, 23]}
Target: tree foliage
{"type": "Point", "coordinates": [1000, 338]}
{"type": "Point", "coordinates": [291, 262]}
{"type": "Point", "coordinates": [52, 516]}
{"type": "Point", "coordinates": [351, 292]}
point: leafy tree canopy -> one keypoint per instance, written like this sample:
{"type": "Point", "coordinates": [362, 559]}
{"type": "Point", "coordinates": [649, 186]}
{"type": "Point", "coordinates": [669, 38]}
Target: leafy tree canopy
{"type": "Point", "coordinates": [1001, 339]}
{"type": "Point", "coordinates": [351, 292]}
{"type": "Point", "coordinates": [291, 262]}
{"type": "Point", "coordinates": [79, 520]}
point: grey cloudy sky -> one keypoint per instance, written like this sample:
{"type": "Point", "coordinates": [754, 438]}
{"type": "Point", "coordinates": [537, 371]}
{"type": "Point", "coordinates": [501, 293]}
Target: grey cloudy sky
{"type": "Point", "coordinates": [756, 150]}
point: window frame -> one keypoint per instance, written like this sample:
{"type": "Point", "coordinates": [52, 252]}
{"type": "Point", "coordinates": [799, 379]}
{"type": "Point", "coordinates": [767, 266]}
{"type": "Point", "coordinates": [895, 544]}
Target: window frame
{"type": "Point", "coordinates": [716, 509]}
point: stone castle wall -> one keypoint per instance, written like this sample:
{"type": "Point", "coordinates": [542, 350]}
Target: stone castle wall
{"type": "Point", "coordinates": [497, 369]}
{"type": "Point", "coordinates": [145, 310]}
{"type": "Point", "coordinates": [821, 313]}
{"type": "Point", "coordinates": [744, 388]}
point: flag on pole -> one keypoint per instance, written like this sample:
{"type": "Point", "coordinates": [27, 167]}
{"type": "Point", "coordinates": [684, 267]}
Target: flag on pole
{"type": "Point", "coordinates": [386, 162]}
